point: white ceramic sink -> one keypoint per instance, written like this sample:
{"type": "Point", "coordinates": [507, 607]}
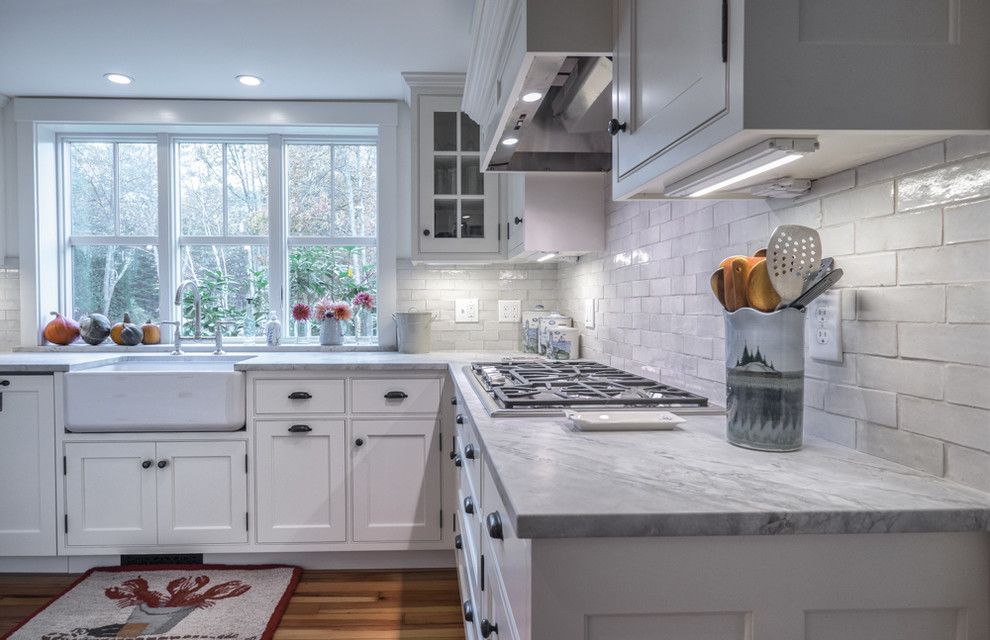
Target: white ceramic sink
{"type": "Point", "coordinates": [157, 393]}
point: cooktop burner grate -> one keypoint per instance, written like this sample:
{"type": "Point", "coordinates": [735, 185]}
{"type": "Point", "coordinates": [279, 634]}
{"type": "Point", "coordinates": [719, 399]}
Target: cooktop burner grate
{"type": "Point", "coordinates": [538, 384]}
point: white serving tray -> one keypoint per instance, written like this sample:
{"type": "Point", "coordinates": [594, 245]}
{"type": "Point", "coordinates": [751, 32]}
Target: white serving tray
{"type": "Point", "coordinates": [604, 420]}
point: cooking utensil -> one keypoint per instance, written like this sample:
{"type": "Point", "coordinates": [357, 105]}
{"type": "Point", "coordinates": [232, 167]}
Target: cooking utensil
{"type": "Point", "coordinates": [793, 254]}
{"type": "Point", "coordinates": [823, 284]}
{"type": "Point", "coordinates": [759, 291]}
{"type": "Point", "coordinates": [718, 285]}
{"type": "Point", "coordinates": [826, 265]}
{"type": "Point", "coordinates": [735, 283]}
{"type": "Point", "coordinates": [760, 253]}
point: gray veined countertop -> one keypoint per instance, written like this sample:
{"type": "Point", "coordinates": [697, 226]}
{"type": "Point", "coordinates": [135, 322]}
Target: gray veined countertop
{"type": "Point", "coordinates": [557, 482]}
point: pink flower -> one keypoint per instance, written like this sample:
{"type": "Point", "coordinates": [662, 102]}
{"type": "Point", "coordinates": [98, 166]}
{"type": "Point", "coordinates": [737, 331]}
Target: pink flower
{"type": "Point", "coordinates": [339, 311]}
{"type": "Point", "coordinates": [301, 312]}
{"type": "Point", "coordinates": [363, 300]}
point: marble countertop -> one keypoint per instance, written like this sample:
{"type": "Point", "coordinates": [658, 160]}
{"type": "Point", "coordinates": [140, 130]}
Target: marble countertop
{"type": "Point", "coordinates": [558, 482]}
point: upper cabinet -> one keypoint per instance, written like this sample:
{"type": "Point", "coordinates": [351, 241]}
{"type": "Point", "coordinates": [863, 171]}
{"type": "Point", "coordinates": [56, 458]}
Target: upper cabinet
{"type": "Point", "coordinates": [562, 214]}
{"type": "Point", "coordinates": [706, 91]}
{"type": "Point", "coordinates": [455, 206]}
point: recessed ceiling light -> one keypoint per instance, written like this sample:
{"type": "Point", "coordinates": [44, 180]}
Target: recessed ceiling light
{"type": "Point", "coordinates": [118, 78]}
{"type": "Point", "coordinates": [532, 96]}
{"type": "Point", "coordinates": [509, 141]}
{"type": "Point", "coordinates": [249, 81]}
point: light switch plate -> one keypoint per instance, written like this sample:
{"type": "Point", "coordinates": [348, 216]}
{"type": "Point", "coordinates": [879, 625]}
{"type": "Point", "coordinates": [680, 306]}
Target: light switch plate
{"type": "Point", "coordinates": [589, 313]}
{"type": "Point", "coordinates": [824, 322]}
{"type": "Point", "coordinates": [509, 310]}
{"type": "Point", "coordinates": [466, 310]}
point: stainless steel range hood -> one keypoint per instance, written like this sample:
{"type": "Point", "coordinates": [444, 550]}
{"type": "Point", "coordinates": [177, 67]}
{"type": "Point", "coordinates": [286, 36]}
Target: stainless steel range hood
{"type": "Point", "coordinates": [565, 129]}
{"type": "Point", "coordinates": [540, 74]}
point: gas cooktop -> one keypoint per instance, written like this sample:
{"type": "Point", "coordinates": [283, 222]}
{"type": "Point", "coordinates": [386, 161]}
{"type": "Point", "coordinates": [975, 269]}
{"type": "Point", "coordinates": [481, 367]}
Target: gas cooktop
{"type": "Point", "coordinates": [546, 387]}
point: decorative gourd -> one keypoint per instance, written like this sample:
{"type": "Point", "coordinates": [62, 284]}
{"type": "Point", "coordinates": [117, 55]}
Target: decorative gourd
{"type": "Point", "coordinates": [151, 333]}
{"type": "Point", "coordinates": [61, 330]}
{"type": "Point", "coordinates": [126, 333]}
{"type": "Point", "coordinates": [94, 328]}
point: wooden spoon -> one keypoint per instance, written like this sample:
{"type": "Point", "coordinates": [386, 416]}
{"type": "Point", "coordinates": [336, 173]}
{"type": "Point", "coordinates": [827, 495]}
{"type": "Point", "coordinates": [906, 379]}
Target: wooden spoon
{"type": "Point", "coordinates": [759, 291]}
{"type": "Point", "coordinates": [718, 285]}
{"type": "Point", "coordinates": [735, 283]}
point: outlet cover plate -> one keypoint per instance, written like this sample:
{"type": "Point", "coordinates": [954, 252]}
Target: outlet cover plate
{"type": "Point", "coordinates": [509, 310]}
{"type": "Point", "coordinates": [824, 323]}
{"type": "Point", "coordinates": [589, 313]}
{"type": "Point", "coordinates": [466, 310]}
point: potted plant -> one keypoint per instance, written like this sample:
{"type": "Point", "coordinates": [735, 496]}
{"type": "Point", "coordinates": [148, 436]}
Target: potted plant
{"type": "Point", "coordinates": [301, 313]}
{"type": "Point", "coordinates": [331, 314]}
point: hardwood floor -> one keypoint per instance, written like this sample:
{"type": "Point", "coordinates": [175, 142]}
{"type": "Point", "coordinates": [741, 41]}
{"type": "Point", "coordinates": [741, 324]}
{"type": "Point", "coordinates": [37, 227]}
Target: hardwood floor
{"type": "Point", "coordinates": [327, 605]}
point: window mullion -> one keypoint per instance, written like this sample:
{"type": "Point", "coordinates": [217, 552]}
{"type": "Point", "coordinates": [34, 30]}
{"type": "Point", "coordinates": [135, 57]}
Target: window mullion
{"type": "Point", "coordinates": [168, 254]}
{"type": "Point", "coordinates": [278, 260]}
{"type": "Point", "coordinates": [223, 187]}
{"type": "Point", "coordinates": [116, 188]}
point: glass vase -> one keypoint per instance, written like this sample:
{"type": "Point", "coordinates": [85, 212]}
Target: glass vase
{"type": "Point", "coordinates": [302, 330]}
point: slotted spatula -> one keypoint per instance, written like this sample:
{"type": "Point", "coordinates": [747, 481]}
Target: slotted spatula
{"type": "Point", "coordinates": [793, 254]}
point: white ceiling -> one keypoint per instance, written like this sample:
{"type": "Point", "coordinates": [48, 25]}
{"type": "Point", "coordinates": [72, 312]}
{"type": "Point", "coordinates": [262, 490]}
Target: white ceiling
{"type": "Point", "coordinates": [304, 49]}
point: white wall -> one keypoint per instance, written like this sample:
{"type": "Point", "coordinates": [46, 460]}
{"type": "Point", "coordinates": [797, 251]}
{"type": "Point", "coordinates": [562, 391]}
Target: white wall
{"type": "Point", "coordinates": [912, 234]}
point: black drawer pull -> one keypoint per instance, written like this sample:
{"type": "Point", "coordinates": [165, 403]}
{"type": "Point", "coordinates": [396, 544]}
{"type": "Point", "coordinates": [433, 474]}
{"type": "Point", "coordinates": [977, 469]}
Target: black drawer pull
{"type": "Point", "coordinates": [457, 460]}
{"type": "Point", "coordinates": [469, 505]}
{"type": "Point", "coordinates": [162, 464]}
{"type": "Point", "coordinates": [4, 383]}
{"type": "Point", "coordinates": [146, 464]}
{"type": "Point", "coordinates": [459, 419]}
{"type": "Point", "coordinates": [396, 395]}
{"type": "Point", "coordinates": [458, 542]}
{"type": "Point", "coordinates": [453, 454]}
{"type": "Point", "coordinates": [468, 611]}
{"type": "Point", "coordinates": [469, 452]}
{"type": "Point", "coordinates": [300, 395]}
{"type": "Point", "coordinates": [488, 628]}
{"type": "Point", "coordinates": [300, 428]}
{"type": "Point", "coordinates": [493, 522]}
{"type": "Point", "coordinates": [453, 401]}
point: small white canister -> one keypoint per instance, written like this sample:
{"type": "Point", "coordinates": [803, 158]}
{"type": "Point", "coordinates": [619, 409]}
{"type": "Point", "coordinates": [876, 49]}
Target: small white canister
{"type": "Point", "coordinates": [413, 329]}
{"type": "Point", "coordinates": [564, 343]}
{"type": "Point", "coordinates": [531, 329]}
{"type": "Point", "coordinates": [548, 323]}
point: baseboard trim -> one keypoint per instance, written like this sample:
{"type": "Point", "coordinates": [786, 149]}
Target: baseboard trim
{"type": "Point", "coordinates": [55, 564]}
{"type": "Point", "coordinates": [326, 560]}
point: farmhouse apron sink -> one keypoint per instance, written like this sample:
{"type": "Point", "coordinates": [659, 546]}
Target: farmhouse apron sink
{"type": "Point", "coordinates": [167, 393]}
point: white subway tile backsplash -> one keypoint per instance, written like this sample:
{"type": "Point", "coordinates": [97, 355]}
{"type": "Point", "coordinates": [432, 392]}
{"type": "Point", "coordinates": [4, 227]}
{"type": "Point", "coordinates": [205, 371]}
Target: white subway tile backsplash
{"type": "Point", "coordinates": [968, 466]}
{"type": "Point", "coordinates": [907, 162]}
{"type": "Point", "coordinates": [912, 377]}
{"type": "Point", "coordinates": [967, 222]}
{"type": "Point", "coordinates": [960, 181]}
{"type": "Point", "coordinates": [966, 426]}
{"type": "Point", "coordinates": [902, 231]}
{"type": "Point", "coordinates": [870, 270]}
{"type": "Point", "coordinates": [954, 263]}
{"type": "Point", "coordinates": [863, 404]}
{"type": "Point", "coordinates": [961, 343]}
{"type": "Point", "coordinates": [959, 147]}
{"type": "Point", "coordinates": [838, 429]}
{"type": "Point", "coordinates": [877, 338]}
{"type": "Point", "coordinates": [838, 240]}
{"type": "Point", "coordinates": [917, 452]}
{"type": "Point", "coordinates": [864, 202]}
{"type": "Point", "coordinates": [968, 302]}
{"type": "Point", "coordinates": [967, 385]}
{"type": "Point", "coordinates": [901, 304]}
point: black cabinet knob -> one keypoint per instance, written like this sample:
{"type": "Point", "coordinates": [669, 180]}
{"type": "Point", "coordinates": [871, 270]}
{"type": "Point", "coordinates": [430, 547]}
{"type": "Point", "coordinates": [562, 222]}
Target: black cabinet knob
{"type": "Point", "coordinates": [162, 464]}
{"type": "Point", "coordinates": [146, 464]}
{"type": "Point", "coordinates": [493, 522]}
{"type": "Point", "coordinates": [459, 419]}
{"type": "Point", "coordinates": [458, 542]}
{"type": "Point", "coordinates": [300, 428]}
{"type": "Point", "coordinates": [300, 395]}
{"type": "Point", "coordinates": [458, 462]}
{"type": "Point", "coordinates": [614, 127]}
{"type": "Point", "coordinates": [426, 232]}
{"type": "Point", "coordinates": [468, 611]}
{"type": "Point", "coordinates": [488, 628]}
{"type": "Point", "coordinates": [517, 220]}
{"type": "Point", "coordinates": [396, 395]}
{"type": "Point", "coordinates": [469, 505]}
{"type": "Point", "coordinates": [453, 401]}
{"type": "Point", "coordinates": [453, 454]}
{"type": "Point", "coordinates": [469, 452]}
{"type": "Point", "coordinates": [359, 442]}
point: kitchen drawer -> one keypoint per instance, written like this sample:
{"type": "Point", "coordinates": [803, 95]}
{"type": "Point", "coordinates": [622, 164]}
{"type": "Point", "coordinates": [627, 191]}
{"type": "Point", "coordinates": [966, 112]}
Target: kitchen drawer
{"type": "Point", "coordinates": [498, 614]}
{"type": "Point", "coordinates": [399, 395]}
{"type": "Point", "coordinates": [469, 473]}
{"type": "Point", "coordinates": [298, 396]}
{"type": "Point", "coordinates": [471, 600]}
{"type": "Point", "coordinates": [505, 554]}
{"type": "Point", "coordinates": [469, 530]}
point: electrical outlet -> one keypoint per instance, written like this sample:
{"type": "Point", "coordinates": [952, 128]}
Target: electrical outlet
{"type": "Point", "coordinates": [509, 310]}
{"type": "Point", "coordinates": [466, 310]}
{"type": "Point", "coordinates": [824, 324]}
{"type": "Point", "coordinates": [589, 313]}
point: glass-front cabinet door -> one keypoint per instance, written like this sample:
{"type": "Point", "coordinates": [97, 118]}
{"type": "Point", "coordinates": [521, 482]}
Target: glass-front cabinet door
{"type": "Point", "coordinates": [458, 204]}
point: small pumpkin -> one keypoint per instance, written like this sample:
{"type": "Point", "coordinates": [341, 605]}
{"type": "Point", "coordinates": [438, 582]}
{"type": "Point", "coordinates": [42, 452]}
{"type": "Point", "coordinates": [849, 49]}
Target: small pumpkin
{"type": "Point", "coordinates": [151, 333]}
{"type": "Point", "coordinates": [94, 328]}
{"type": "Point", "coordinates": [126, 333]}
{"type": "Point", "coordinates": [61, 330]}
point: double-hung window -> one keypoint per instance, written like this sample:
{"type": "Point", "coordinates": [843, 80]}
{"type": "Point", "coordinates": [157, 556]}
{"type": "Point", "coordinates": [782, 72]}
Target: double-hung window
{"type": "Point", "coordinates": [252, 243]}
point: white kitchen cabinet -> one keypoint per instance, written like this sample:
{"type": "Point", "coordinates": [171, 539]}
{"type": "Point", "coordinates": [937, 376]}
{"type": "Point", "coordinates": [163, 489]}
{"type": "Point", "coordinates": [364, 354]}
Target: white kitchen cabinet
{"type": "Point", "coordinates": [301, 479]}
{"type": "Point", "coordinates": [27, 465]}
{"type": "Point", "coordinates": [395, 467]}
{"type": "Point", "coordinates": [110, 493]}
{"type": "Point", "coordinates": [697, 82]}
{"type": "Point", "coordinates": [147, 493]}
{"type": "Point", "coordinates": [202, 492]}
{"type": "Point", "coordinates": [560, 213]}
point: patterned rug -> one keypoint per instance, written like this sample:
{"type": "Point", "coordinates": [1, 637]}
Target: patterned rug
{"type": "Point", "coordinates": [167, 602]}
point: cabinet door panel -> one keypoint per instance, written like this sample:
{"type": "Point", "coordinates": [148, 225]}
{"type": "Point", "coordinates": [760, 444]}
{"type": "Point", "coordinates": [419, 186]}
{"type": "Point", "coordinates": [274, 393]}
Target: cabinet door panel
{"type": "Point", "coordinates": [670, 78]}
{"type": "Point", "coordinates": [301, 479]}
{"type": "Point", "coordinates": [202, 492]}
{"type": "Point", "coordinates": [396, 480]}
{"type": "Point", "coordinates": [27, 466]}
{"type": "Point", "coordinates": [109, 495]}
